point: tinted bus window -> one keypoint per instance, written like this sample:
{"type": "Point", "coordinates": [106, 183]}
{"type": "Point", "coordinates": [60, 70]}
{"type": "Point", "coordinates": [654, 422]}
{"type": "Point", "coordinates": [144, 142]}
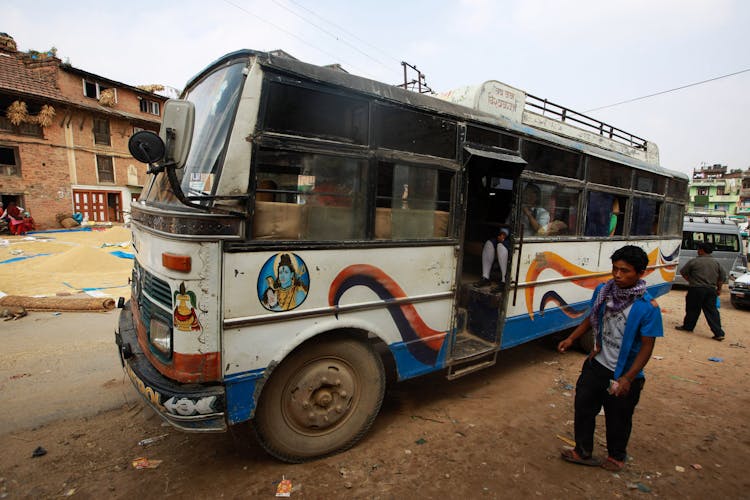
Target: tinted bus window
{"type": "Point", "coordinates": [407, 130]}
{"type": "Point", "coordinates": [722, 242]}
{"type": "Point", "coordinates": [677, 189]}
{"type": "Point", "coordinates": [672, 220]}
{"type": "Point", "coordinates": [645, 217]}
{"type": "Point", "coordinates": [648, 182]}
{"type": "Point", "coordinates": [313, 113]}
{"type": "Point", "coordinates": [551, 160]}
{"type": "Point", "coordinates": [605, 214]}
{"type": "Point", "coordinates": [412, 202]}
{"type": "Point", "coordinates": [608, 173]}
{"type": "Point", "coordinates": [304, 196]}
{"type": "Point", "coordinates": [486, 137]}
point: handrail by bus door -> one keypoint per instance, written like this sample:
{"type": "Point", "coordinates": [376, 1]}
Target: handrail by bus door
{"type": "Point", "coordinates": [518, 268]}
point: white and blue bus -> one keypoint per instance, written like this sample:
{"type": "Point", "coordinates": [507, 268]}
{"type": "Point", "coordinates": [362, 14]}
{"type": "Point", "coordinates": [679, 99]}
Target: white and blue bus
{"type": "Point", "coordinates": [303, 228]}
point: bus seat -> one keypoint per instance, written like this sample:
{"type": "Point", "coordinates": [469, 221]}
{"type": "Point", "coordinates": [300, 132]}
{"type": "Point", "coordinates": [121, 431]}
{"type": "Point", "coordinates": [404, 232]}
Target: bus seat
{"type": "Point", "coordinates": [277, 221]}
{"type": "Point", "coordinates": [383, 223]}
{"type": "Point", "coordinates": [441, 223]}
{"type": "Point", "coordinates": [326, 222]}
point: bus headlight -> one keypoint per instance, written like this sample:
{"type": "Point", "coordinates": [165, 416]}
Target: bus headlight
{"type": "Point", "coordinates": [161, 336]}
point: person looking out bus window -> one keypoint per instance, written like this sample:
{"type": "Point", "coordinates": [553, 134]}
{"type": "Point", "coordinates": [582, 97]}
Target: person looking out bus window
{"type": "Point", "coordinates": [705, 277]}
{"type": "Point", "coordinates": [535, 217]}
{"type": "Point", "coordinates": [625, 321]}
{"type": "Point", "coordinates": [613, 216]}
{"type": "Point", "coordinates": [494, 248]}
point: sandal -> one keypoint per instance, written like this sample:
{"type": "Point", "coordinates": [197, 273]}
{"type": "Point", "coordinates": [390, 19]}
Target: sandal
{"type": "Point", "coordinates": [613, 465]}
{"type": "Point", "coordinates": [571, 455]}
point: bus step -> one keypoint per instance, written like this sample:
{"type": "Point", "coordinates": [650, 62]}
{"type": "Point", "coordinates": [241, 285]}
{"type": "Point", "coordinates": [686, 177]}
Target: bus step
{"type": "Point", "coordinates": [465, 368]}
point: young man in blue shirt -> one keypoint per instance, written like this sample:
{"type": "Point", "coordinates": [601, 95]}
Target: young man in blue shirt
{"type": "Point", "coordinates": [626, 321]}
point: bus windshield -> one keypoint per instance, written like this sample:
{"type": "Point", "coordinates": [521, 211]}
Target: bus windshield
{"type": "Point", "coordinates": [215, 98]}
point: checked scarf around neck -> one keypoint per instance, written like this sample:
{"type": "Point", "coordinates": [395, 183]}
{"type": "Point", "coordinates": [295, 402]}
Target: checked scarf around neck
{"type": "Point", "coordinates": [615, 299]}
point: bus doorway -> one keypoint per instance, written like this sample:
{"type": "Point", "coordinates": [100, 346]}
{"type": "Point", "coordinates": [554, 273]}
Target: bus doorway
{"type": "Point", "coordinates": [491, 181]}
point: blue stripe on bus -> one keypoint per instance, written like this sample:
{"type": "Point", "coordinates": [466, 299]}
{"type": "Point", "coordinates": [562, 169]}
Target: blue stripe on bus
{"type": "Point", "coordinates": [409, 366]}
{"type": "Point", "coordinates": [521, 329]}
{"type": "Point", "coordinates": [240, 391]}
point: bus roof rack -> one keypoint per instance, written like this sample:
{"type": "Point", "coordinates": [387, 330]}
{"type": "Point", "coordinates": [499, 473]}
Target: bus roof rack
{"type": "Point", "coordinates": [502, 100]}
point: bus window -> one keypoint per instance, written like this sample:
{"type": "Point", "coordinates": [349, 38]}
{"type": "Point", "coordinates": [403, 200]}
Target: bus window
{"type": "Point", "coordinates": [609, 173]}
{"type": "Point", "coordinates": [651, 183]}
{"type": "Point", "coordinates": [486, 137]}
{"type": "Point", "coordinates": [412, 202]}
{"type": "Point", "coordinates": [672, 220]}
{"type": "Point", "coordinates": [407, 130]}
{"type": "Point", "coordinates": [316, 114]}
{"type": "Point", "coordinates": [316, 197]}
{"type": "Point", "coordinates": [645, 216]}
{"type": "Point", "coordinates": [604, 214]}
{"type": "Point", "coordinates": [551, 160]}
{"type": "Point", "coordinates": [548, 210]}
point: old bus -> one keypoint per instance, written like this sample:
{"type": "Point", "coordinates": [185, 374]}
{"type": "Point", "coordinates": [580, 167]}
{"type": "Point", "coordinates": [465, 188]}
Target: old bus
{"type": "Point", "coordinates": [304, 227]}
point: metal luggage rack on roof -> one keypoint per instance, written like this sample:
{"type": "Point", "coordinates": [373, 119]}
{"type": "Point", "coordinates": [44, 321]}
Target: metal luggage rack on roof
{"type": "Point", "coordinates": [722, 216]}
{"type": "Point", "coordinates": [555, 111]}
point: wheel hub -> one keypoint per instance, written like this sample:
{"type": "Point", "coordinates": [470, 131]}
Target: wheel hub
{"type": "Point", "coordinates": [321, 395]}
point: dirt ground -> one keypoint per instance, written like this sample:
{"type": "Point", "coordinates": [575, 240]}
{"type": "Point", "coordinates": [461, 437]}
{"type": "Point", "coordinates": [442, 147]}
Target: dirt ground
{"type": "Point", "coordinates": [492, 434]}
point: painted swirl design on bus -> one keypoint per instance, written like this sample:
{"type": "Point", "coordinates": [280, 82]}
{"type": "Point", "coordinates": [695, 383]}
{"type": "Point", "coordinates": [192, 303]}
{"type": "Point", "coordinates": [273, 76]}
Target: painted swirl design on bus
{"type": "Point", "coordinates": [552, 261]}
{"type": "Point", "coordinates": [667, 273]}
{"type": "Point", "coordinates": [423, 342]}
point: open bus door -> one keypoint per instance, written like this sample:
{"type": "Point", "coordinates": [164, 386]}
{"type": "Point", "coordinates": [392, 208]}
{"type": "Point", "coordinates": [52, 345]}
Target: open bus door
{"type": "Point", "coordinates": [490, 190]}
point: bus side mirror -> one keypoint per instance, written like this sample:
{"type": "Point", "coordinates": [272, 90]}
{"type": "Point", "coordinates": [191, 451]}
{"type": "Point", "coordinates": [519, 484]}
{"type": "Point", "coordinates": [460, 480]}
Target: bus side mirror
{"type": "Point", "coordinates": [177, 130]}
{"type": "Point", "coordinates": [146, 147]}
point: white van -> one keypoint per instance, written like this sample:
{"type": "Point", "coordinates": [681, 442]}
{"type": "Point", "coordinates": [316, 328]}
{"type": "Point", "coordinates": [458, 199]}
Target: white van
{"type": "Point", "coordinates": [722, 233]}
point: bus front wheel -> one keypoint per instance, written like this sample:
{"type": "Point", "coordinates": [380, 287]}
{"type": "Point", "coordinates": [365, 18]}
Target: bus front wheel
{"type": "Point", "coordinates": [320, 400]}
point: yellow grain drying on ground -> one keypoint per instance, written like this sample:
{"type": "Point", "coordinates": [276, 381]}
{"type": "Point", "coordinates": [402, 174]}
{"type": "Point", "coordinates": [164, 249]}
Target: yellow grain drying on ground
{"type": "Point", "coordinates": [74, 261]}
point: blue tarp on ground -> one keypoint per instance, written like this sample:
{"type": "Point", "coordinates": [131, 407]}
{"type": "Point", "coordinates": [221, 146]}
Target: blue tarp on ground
{"type": "Point", "coordinates": [60, 230]}
{"type": "Point", "coordinates": [122, 255]}
{"type": "Point", "coordinates": [23, 257]}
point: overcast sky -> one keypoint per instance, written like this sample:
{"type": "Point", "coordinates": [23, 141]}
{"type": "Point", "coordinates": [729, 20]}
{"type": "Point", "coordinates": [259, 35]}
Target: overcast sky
{"type": "Point", "coordinates": [582, 54]}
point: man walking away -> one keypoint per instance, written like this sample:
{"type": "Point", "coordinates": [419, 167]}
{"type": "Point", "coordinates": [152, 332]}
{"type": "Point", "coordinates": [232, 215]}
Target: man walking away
{"type": "Point", "coordinates": [705, 277]}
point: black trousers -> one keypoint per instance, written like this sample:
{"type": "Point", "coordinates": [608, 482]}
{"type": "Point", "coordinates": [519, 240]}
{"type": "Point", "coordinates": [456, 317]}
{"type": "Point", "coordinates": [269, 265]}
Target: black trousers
{"type": "Point", "coordinates": [702, 299]}
{"type": "Point", "coordinates": [591, 395]}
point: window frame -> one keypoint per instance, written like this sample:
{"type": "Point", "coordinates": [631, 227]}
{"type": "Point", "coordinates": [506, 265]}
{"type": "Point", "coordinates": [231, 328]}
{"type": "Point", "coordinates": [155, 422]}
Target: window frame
{"type": "Point", "coordinates": [99, 169]}
{"type": "Point", "coordinates": [149, 106]}
{"type": "Point", "coordinates": [97, 88]}
{"type": "Point", "coordinates": [99, 134]}
{"type": "Point", "coordinates": [15, 169]}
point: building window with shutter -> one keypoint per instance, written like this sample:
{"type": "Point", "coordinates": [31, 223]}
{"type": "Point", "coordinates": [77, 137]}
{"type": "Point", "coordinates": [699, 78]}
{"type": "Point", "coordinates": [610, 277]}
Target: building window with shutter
{"type": "Point", "coordinates": [101, 132]}
{"type": "Point", "coordinates": [105, 169]}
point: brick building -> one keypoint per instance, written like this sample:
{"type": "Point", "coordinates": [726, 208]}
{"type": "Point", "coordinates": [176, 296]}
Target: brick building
{"type": "Point", "coordinates": [64, 137]}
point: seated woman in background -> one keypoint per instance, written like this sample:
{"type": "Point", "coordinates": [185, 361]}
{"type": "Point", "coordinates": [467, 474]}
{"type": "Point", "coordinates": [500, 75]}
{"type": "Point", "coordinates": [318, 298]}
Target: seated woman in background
{"type": "Point", "coordinates": [19, 222]}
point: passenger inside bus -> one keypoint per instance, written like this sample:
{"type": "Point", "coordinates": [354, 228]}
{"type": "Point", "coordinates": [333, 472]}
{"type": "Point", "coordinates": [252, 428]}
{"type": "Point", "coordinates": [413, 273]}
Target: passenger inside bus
{"type": "Point", "coordinates": [535, 217]}
{"type": "Point", "coordinates": [494, 248]}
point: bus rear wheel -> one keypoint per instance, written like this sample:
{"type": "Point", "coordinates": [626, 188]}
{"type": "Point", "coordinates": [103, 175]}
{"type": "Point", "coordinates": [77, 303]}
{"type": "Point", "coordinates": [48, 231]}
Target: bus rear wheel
{"type": "Point", "coordinates": [321, 400]}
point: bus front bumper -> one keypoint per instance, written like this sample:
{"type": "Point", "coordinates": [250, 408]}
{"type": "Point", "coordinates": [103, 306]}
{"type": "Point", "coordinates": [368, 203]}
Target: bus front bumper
{"type": "Point", "coordinates": [189, 407]}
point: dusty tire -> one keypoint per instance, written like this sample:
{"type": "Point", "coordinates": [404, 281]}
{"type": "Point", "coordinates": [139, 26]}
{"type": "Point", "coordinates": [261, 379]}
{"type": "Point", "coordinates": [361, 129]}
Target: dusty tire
{"type": "Point", "coordinates": [321, 400]}
{"type": "Point", "coordinates": [586, 341]}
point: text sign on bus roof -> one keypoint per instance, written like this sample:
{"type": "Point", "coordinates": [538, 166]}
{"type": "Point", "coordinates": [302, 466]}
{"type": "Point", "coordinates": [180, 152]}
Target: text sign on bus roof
{"type": "Point", "coordinates": [499, 99]}
{"type": "Point", "coordinates": [490, 97]}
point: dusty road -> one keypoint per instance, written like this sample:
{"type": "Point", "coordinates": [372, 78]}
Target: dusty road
{"type": "Point", "coordinates": [59, 365]}
{"type": "Point", "coordinates": [493, 434]}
